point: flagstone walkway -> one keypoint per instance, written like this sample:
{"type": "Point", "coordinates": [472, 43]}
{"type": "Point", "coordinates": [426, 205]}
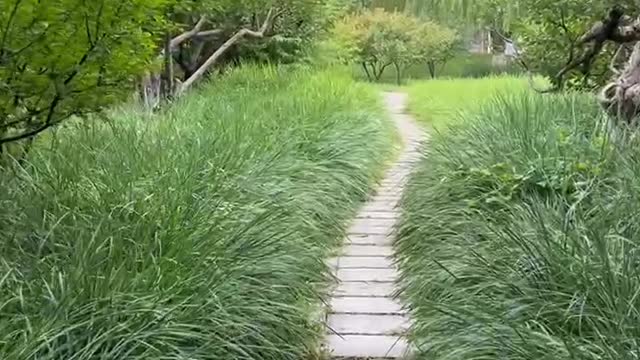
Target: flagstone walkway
{"type": "Point", "coordinates": [364, 320]}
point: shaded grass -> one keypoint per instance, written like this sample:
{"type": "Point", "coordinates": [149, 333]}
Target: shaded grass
{"type": "Point", "coordinates": [519, 236]}
{"type": "Point", "coordinates": [198, 233]}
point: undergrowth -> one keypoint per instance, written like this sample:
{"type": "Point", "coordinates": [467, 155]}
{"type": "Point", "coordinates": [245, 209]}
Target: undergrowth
{"type": "Point", "coordinates": [520, 236]}
{"type": "Point", "coordinates": [197, 233]}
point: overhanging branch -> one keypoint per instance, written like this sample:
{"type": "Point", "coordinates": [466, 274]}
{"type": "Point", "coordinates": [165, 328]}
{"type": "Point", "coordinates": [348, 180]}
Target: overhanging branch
{"type": "Point", "coordinates": [264, 29]}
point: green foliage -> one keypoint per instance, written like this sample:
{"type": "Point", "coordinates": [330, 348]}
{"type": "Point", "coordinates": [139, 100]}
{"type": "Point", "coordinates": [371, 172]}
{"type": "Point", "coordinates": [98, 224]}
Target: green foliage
{"type": "Point", "coordinates": [197, 233]}
{"type": "Point", "coordinates": [519, 236]}
{"type": "Point", "coordinates": [301, 24]}
{"type": "Point", "coordinates": [378, 39]}
{"type": "Point", "coordinates": [548, 28]}
{"type": "Point", "coordinates": [61, 58]}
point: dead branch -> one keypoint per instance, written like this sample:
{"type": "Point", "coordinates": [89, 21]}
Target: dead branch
{"type": "Point", "coordinates": [176, 41]}
{"type": "Point", "coordinates": [266, 26]}
{"type": "Point", "coordinates": [616, 27]}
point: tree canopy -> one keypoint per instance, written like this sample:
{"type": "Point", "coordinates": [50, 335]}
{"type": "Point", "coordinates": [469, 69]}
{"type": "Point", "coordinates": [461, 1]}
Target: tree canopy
{"type": "Point", "coordinates": [64, 58]}
{"type": "Point", "coordinates": [378, 39]}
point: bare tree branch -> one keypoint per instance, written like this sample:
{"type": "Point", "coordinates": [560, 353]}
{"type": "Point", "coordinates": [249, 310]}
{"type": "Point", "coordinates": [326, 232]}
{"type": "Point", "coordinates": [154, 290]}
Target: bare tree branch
{"type": "Point", "coordinates": [266, 26]}
{"type": "Point", "coordinates": [176, 41]}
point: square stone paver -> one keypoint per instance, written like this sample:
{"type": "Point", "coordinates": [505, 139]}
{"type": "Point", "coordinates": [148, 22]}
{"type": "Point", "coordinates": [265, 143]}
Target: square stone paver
{"type": "Point", "coordinates": [366, 262]}
{"type": "Point", "coordinates": [366, 305]}
{"type": "Point", "coordinates": [364, 289]}
{"type": "Point", "coordinates": [370, 229]}
{"type": "Point", "coordinates": [376, 239]}
{"type": "Point", "coordinates": [367, 346]}
{"type": "Point", "coordinates": [374, 222]}
{"type": "Point", "coordinates": [367, 250]}
{"type": "Point", "coordinates": [391, 214]}
{"type": "Point", "coordinates": [354, 324]}
{"type": "Point", "coordinates": [383, 275]}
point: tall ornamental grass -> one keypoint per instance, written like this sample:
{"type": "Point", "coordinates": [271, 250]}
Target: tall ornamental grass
{"type": "Point", "coordinates": [197, 233]}
{"type": "Point", "coordinates": [520, 236]}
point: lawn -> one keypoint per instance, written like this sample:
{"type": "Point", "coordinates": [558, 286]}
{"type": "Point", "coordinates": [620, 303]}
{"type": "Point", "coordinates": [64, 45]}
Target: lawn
{"type": "Point", "coordinates": [441, 102]}
{"type": "Point", "coordinates": [520, 236]}
{"type": "Point", "coordinates": [199, 232]}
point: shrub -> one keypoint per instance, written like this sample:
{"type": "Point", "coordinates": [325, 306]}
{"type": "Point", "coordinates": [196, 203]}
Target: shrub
{"type": "Point", "coordinates": [196, 233]}
{"type": "Point", "coordinates": [519, 236]}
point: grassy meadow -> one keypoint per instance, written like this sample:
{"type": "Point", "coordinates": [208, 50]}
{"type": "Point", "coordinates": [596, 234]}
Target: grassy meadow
{"type": "Point", "coordinates": [441, 102]}
{"type": "Point", "coordinates": [519, 235]}
{"type": "Point", "coordinates": [196, 233]}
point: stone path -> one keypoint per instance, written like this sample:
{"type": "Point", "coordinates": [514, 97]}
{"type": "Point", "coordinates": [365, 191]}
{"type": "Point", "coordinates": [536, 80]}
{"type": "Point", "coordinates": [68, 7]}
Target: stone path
{"type": "Point", "coordinates": [364, 320]}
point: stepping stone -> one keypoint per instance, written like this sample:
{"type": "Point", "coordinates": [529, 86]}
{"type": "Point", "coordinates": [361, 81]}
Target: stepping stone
{"type": "Point", "coordinates": [366, 305]}
{"type": "Point", "coordinates": [367, 346]}
{"type": "Point", "coordinates": [378, 215]}
{"type": "Point", "coordinates": [374, 222]}
{"type": "Point", "coordinates": [365, 320]}
{"type": "Point", "coordinates": [377, 239]}
{"type": "Point", "coordinates": [384, 275]}
{"type": "Point", "coordinates": [367, 250]}
{"type": "Point", "coordinates": [371, 229]}
{"type": "Point", "coordinates": [377, 207]}
{"type": "Point", "coordinates": [354, 324]}
{"type": "Point", "coordinates": [365, 263]}
{"type": "Point", "coordinates": [364, 289]}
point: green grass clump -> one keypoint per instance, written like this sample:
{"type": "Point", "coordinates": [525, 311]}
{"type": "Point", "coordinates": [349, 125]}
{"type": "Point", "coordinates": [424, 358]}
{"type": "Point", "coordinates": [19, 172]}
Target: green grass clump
{"type": "Point", "coordinates": [197, 233]}
{"type": "Point", "coordinates": [520, 236]}
{"type": "Point", "coordinates": [439, 102]}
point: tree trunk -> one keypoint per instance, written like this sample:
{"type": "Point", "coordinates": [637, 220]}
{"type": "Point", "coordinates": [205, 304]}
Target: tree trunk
{"type": "Point", "coordinates": [366, 71]}
{"type": "Point", "coordinates": [150, 90]}
{"type": "Point", "coordinates": [167, 75]}
{"type": "Point", "coordinates": [398, 73]}
{"type": "Point", "coordinates": [621, 98]}
{"type": "Point", "coordinates": [432, 69]}
{"type": "Point", "coordinates": [379, 71]}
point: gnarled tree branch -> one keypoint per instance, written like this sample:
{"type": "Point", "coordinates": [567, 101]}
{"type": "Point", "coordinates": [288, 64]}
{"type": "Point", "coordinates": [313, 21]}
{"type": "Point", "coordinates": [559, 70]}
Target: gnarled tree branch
{"type": "Point", "coordinates": [266, 26]}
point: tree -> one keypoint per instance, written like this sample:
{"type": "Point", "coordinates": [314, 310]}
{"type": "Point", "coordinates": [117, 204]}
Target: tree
{"type": "Point", "coordinates": [214, 32]}
{"type": "Point", "coordinates": [434, 45]}
{"type": "Point", "coordinates": [60, 58]}
{"type": "Point", "coordinates": [65, 58]}
{"type": "Point", "coordinates": [378, 39]}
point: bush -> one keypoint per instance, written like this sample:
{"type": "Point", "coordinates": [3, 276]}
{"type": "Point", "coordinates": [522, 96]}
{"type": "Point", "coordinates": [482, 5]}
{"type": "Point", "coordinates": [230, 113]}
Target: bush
{"type": "Point", "coordinates": [519, 236]}
{"type": "Point", "coordinates": [197, 233]}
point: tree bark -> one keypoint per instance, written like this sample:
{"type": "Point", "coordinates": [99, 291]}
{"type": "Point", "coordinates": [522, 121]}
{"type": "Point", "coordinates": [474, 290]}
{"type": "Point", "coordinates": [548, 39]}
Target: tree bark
{"type": "Point", "coordinates": [366, 71]}
{"type": "Point", "coordinates": [398, 73]}
{"type": "Point", "coordinates": [432, 69]}
{"type": "Point", "coordinates": [167, 75]}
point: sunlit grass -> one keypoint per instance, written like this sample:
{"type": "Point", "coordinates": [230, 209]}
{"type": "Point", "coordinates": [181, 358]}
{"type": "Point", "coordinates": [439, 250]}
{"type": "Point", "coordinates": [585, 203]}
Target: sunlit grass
{"type": "Point", "coordinates": [440, 102]}
{"type": "Point", "coordinates": [197, 233]}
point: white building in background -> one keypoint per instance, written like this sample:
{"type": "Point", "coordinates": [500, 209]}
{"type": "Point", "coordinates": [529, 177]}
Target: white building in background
{"type": "Point", "coordinates": [510, 49]}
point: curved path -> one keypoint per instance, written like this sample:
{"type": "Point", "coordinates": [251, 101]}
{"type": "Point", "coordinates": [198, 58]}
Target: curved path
{"type": "Point", "coordinates": [364, 320]}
